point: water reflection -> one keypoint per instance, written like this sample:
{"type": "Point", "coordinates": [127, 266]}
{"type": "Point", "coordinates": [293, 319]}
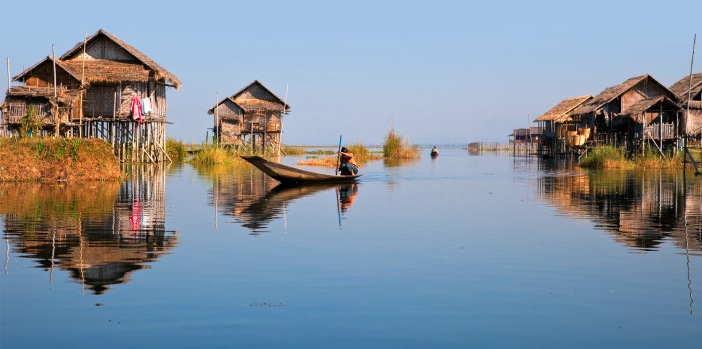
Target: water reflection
{"type": "Point", "coordinates": [642, 209]}
{"type": "Point", "coordinates": [100, 233]}
{"type": "Point", "coordinates": [255, 200]}
{"type": "Point", "coordinates": [347, 195]}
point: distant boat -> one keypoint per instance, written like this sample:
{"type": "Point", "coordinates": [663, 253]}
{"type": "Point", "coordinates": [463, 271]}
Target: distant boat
{"type": "Point", "coordinates": [291, 175]}
{"type": "Point", "coordinates": [434, 152]}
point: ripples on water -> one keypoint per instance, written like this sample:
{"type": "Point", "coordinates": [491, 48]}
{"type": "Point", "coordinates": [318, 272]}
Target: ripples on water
{"type": "Point", "coordinates": [459, 250]}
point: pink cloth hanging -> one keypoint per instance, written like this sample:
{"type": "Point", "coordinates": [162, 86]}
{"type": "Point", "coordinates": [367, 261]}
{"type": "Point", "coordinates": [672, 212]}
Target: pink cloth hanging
{"type": "Point", "coordinates": [135, 109]}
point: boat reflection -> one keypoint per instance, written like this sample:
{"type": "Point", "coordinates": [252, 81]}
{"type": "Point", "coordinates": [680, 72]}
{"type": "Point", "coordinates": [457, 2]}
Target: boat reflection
{"type": "Point", "coordinates": [642, 209]}
{"type": "Point", "coordinates": [255, 200]}
{"type": "Point", "coordinates": [99, 233]}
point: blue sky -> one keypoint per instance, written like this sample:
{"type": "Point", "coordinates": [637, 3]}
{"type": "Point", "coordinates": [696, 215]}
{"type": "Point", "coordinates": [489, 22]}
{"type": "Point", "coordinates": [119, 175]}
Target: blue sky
{"type": "Point", "coordinates": [435, 71]}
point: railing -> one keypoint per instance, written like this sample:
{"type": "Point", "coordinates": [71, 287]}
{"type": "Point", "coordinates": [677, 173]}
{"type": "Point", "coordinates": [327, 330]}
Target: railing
{"type": "Point", "coordinates": [16, 111]}
{"type": "Point", "coordinates": [658, 131]}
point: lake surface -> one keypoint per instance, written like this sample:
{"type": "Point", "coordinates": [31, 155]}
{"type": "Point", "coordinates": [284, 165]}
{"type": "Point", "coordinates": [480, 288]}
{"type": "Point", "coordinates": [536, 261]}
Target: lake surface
{"type": "Point", "coordinates": [460, 251]}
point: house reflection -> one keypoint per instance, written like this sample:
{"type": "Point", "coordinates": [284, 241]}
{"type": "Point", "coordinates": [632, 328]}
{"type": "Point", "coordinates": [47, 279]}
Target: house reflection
{"type": "Point", "coordinates": [641, 208]}
{"type": "Point", "coordinates": [90, 230]}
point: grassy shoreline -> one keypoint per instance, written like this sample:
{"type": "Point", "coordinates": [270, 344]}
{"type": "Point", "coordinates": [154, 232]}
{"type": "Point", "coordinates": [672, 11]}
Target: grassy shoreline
{"type": "Point", "coordinates": [57, 159]}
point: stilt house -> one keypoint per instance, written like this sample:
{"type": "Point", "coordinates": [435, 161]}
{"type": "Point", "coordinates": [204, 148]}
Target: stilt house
{"type": "Point", "coordinates": [252, 117]}
{"type": "Point", "coordinates": [102, 88]}
{"type": "Point", "coordinates": [558, 126]}
{"type": "Point", "coordinates": [636, 111]}
{"type": "Point", "coordinates": [689, 89]}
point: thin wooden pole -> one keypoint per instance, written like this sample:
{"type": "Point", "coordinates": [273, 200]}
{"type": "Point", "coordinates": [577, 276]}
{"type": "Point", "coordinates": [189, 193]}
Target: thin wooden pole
{"type": "Point", "coordinates": [660, 129]}
{"type": "Point", "coordinates": [689, 88]}
{"type": "Point", "coordinates": [8, 74]}
{"type": "Point", "coordinates": [53, 59]}
{"type": "Point", "coordinates": [2, 130]}
{"type": "Point", "coordinates": [282, 116]}
{"type": "Point", "coordinates": [643, 135]}
{"type": "Point", "coordinates": [57, 120]}
{"type": "Point", "coordinates": [82, 81]}
{"type": "Point", "coordinates": [216, 119]}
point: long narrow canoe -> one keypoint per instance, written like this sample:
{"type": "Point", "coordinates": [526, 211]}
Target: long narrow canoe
{"type": "Point", "coordinates": [291, 175]}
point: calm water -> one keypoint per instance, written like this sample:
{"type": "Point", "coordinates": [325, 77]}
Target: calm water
{"type": "Point", "coordinates": [454, 252]}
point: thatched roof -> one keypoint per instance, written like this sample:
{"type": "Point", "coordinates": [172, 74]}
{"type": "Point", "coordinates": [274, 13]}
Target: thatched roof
{"type": "Point", "coordinates": [274, 104]}
{"type": "Point", "coordinates": [63, 95]}
{"type": "Point", "coordinates": [562, 111]}
{"type": "Point", "coordinates": [94, 70]}
{"type": "Point", "coordinates": [636, 110]}
{"type": "Point", "coordinates": [211, 110]}
{"type": "Point", "coordinates": [681, 87]}
{"type": "Point", "coordinates": [105, 71]}
{"type": "Point", "coordinates": [47, 60]}
{"type": "Point", "coordinates": [610, 93]}
{"type": "Point", "coordinates": [159, 71]}
{"type": "Point", "coordinates": [256, 104]}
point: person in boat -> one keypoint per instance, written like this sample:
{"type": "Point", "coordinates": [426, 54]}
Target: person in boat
{"type": "Point", "coordinates": [348, 165]}
{"type": "Point", "coordinates": [434, 151]}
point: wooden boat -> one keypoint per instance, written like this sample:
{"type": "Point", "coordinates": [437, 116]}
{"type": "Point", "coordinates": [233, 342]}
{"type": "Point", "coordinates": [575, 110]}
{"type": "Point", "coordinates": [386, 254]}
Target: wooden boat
{"type": "Point", "coordinates": [291, 175]}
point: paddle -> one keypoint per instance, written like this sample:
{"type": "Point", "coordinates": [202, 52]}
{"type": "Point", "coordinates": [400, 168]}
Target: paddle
{"type": "Point", "coordinates": [338, 157]}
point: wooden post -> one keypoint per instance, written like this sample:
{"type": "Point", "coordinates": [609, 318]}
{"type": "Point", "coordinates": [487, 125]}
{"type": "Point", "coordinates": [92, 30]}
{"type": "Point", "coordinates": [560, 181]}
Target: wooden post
{"type": "Point", "coordinates": [216, 119]}
{"type": "Point", "coordinates": [265, 131]}
{"type": "Point", "coordinates": [8, 75]}
{"type": "Point", "coordinates": [643, 135]}
{"type": "Point", "coordinates": [660, 129]}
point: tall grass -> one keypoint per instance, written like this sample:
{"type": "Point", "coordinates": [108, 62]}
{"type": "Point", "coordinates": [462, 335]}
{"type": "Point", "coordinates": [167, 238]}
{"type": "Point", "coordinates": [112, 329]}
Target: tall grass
{"type": "Point", "coordinates": [176, 150]}
{"type": "Point", "coordinates": [609, 157]}
{"type": "Point", "coordinates": [651, 158]}
{"type": "Point", "coordinates": [396, 147]}
{"type": "Point", "coordinates": [211, 154]}
{"type": "Point", "coordinates": [360, 153]}
{"type": "Point", "coordinates": [293, 150]}
{"type": "Point", "coordinates": [605, 157]}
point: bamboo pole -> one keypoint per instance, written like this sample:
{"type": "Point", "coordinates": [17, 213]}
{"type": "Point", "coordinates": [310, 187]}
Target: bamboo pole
{"type": "Point", "coordinates": [8, 74]}
{"type": "Point", "coordinates": [216, 120]}
{"type": "Point", "coordinates": [9, 82]}
{"type": "Point", "coordinates": [689, 88]}
{"type": "Point", "coordinates": [282, 115]}
{"type": "Point", "coordinates": [660, 129]}
{"type": "Point", "coordinates": [53, 59]}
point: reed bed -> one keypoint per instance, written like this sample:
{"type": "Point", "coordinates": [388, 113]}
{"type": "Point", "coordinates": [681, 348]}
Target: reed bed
{"type": "Point", "coordinates": [609, 157]}
{"type": "Point", "coordinates": [212, 154]}
{"type": "Point", "coordinates": [397, 147]}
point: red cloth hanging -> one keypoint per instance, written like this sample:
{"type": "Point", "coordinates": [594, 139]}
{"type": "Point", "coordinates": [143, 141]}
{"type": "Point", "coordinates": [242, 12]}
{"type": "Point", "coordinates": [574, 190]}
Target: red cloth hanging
{"type": "Point", "coordinates": [135, 109]}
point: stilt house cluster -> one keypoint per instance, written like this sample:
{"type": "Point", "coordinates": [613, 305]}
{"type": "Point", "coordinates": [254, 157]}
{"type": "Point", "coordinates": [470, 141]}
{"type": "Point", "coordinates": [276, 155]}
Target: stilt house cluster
{"type": "Point", "coordinates": [103, 88]}
{"type": "Point", "coordinates": [251, 118]}
{"type": "Point", "coordinates": [638, 112]}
